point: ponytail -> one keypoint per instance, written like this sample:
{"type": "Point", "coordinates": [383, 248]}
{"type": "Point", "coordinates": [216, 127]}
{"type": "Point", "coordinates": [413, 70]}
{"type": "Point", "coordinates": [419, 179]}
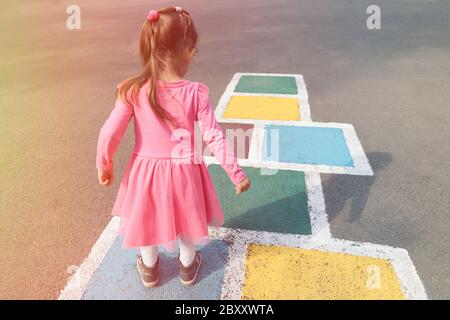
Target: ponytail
{"type": "Point", "coordinates": [154, 70]}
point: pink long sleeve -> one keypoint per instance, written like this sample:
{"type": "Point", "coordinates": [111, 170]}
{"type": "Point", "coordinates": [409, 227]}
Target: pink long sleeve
{"type": "Point", "coordinates": [213, 135]}
{"type": "Point", "coordinates": [111, 134]}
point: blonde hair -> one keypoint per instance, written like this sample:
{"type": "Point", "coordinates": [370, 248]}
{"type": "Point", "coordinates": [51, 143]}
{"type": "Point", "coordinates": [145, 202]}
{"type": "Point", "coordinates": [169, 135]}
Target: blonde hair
{"type": "Point", "coordinates": [164, 42]}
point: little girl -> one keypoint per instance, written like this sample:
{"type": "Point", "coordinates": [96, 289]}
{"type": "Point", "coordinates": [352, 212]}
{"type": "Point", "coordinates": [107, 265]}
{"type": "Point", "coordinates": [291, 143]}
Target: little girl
{"type": "Point", "coordinates": [166, 196]}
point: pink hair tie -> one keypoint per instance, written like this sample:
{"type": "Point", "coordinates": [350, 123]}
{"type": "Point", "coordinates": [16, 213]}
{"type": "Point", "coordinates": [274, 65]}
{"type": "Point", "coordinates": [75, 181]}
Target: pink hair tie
{"type": "Point", "coordinates": [153, 15]}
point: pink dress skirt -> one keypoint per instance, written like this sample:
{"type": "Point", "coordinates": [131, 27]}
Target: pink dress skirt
{"type": "Point", "coordinates": [164, 196]}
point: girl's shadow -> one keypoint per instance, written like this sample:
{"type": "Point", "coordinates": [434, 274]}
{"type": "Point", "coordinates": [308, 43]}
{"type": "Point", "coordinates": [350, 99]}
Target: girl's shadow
{"type": "Point", "coordinates": [339, 188]}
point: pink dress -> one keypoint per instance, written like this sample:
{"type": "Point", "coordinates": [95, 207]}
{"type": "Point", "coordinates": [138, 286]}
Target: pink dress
{"type": "Point", "coordinates": [166, 191]}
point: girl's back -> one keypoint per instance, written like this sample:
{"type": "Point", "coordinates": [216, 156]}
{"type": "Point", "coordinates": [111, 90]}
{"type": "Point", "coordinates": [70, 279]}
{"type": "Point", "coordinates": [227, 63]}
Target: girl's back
{"type": "Point", "coordinates": [158, 138]}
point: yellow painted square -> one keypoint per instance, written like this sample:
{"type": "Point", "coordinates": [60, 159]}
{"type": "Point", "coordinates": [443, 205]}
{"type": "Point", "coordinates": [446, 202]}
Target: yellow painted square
{"type": "Point", "coordinates": [293, 273]}
{"type": "Point", "coordinates": [262, 108]}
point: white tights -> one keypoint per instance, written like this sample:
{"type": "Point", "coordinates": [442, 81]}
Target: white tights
{"type": "Point", "coordinates": [187, 253]}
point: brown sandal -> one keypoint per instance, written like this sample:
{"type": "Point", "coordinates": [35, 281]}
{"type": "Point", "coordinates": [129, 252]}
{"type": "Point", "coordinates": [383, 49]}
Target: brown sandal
{"type": "Point", "coordinates": [149, 275]}
{"type": "Point", "coordinates": [188, 274]}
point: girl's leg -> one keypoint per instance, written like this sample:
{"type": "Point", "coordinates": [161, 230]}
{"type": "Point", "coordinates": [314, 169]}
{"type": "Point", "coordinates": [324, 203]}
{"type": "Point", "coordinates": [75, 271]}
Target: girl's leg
{"type": "Point", "coordinates": [187, 251]}
{"type": "Point", "coordinates": [149, 255]}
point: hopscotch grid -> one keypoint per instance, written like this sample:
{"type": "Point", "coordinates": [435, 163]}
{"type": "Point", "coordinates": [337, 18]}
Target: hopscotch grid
{"type": "Point", "coordinates": [239, 239]}
{"type": "Point", "coordinates": [409, 281]}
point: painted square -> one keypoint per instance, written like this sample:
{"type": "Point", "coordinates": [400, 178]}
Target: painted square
{"type": "Point", "coordinates": [274, 272]}
{"type": "Point", "coordinates": [276, 202]}
{"type": "Point", "coordinates": [118, 279]}
{"type": "Point", "coordinates": [262, 108]}
{"type": "Point", "coordinates": [239, 136]}
{"type": "Point", "coordinates": [266, 84]}
{"type": "Point", "coordinates": [306, 145]}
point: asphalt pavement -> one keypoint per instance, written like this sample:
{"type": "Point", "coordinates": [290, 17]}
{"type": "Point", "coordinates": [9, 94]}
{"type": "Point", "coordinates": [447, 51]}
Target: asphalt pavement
{"type": "Point", "coordinates": [57, 87]}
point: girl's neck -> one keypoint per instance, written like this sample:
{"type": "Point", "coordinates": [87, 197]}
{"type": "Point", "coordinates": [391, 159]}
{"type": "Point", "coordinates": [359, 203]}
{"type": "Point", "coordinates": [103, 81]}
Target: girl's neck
{"type": "Point", "coordinates": [170, 76]}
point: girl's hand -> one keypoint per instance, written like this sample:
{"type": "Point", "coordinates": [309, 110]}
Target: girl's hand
{"type": "Point", "coordinates": [105, 178]}
{"type": "Point", "coordinates": [242, 186]}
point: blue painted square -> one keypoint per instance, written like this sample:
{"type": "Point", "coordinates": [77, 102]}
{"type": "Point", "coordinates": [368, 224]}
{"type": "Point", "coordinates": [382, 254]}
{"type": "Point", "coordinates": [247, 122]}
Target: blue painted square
{"type": "Point", "coordinates": [118, 279]}
{"type": "Point", "coordinates": [307, 145]}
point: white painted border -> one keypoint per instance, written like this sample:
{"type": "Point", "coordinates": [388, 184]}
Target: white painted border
{"type": "Point", "coordinates": [409, 281]}
{"type": "Point", "coordinates": [320, 227]}
{"type": "Point", "coordinates": [302, 97]}
{"type": "Point", "coordinates": [254, 147]}
{"type": "Point", "coordinates": [77, 284]}
{"type": "Point", "coordinates": [234, 275]}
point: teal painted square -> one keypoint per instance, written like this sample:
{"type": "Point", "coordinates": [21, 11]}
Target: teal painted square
{"type": "Point", "coordinates": [266, 84]}
{"type": "Point", "coordinates": [276, 202]}
{"type": "Point", "coordinates": [307, 145]}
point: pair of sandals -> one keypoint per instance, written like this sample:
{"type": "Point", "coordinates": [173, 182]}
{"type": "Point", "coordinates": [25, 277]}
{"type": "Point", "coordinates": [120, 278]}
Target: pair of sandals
{"type": "Point", "coordinates": [150, 275]}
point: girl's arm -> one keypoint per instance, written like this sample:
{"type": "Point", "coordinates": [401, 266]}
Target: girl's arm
{"type": "Point", "coordinates": [111, 134]}
{"type": "Point", "coordinates": [213, 135]}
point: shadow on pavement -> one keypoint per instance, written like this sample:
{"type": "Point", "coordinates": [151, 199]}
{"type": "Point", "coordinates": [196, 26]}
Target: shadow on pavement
{"type": "Point", "coordinates": [340, 188]}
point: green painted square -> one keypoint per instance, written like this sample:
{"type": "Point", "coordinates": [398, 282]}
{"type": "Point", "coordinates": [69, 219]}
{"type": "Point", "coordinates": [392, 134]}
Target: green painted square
{"type": "Point", "coordinates": [266, 84]}
{"type": "Point", "coordinates": [276, 203]}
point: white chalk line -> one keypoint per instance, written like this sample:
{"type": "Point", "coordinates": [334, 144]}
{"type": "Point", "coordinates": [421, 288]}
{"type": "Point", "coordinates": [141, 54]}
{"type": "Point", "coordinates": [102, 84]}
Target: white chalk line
{"type": "Point", "coordinates": [253, 151]}
{"type": "Point", "coordinates": [320, 227]}
{"type": "Point", "coordinates": [305, 110]}
{"type": "Point", "coordinates": [234, 274]}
